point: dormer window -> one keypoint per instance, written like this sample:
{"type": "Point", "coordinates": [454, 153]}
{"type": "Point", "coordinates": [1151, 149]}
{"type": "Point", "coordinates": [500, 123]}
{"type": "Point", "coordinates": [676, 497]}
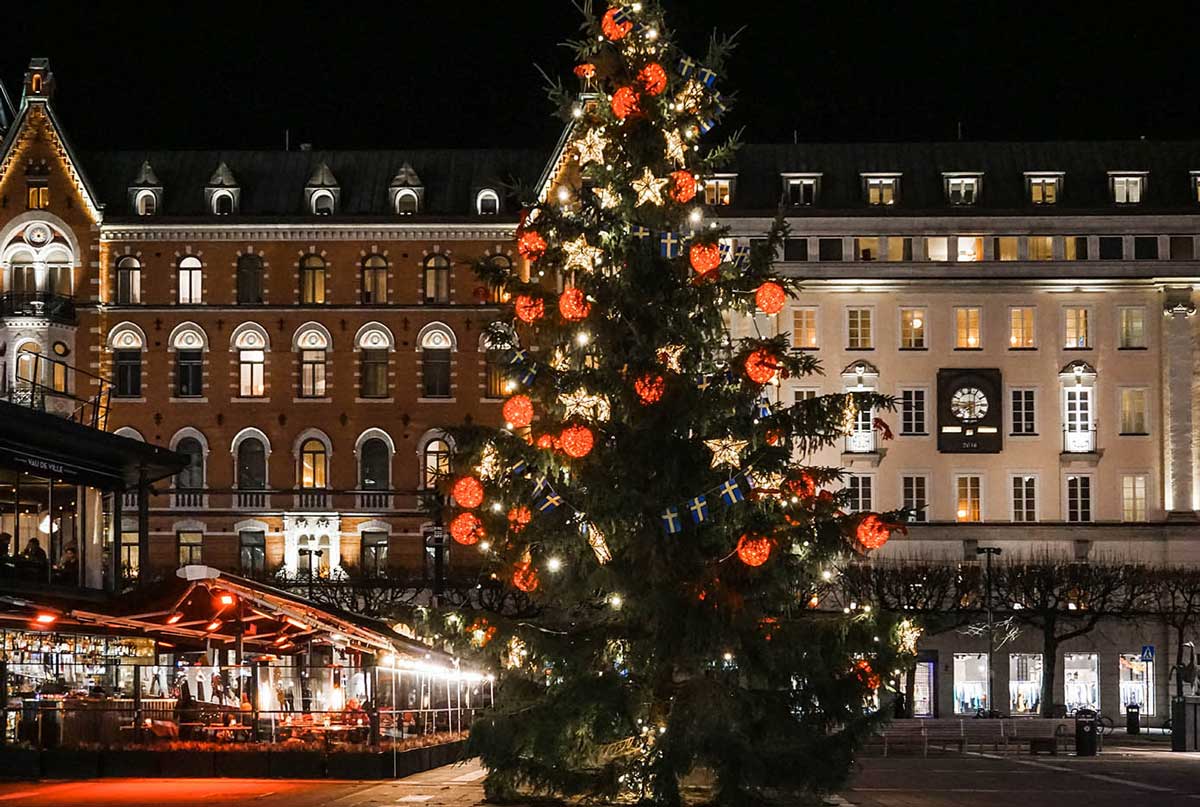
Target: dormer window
{"type": "Point", "coordinates": [146, 203]}
{"type": "Point", "coordinates": [718, 190]}
{"type": "Point", "coordinates": [38, 194]}
{"type": "Point", "coordinates": [1195, 177]}
{"type": "Point", "coordinates": [1045, 188]}
{"type": "Point", "coordinates": [222, 193]}
{"type": "Point", "coordinates": [322, 191]}
{"type": "Point", "coordinates": [963, 189]}
{"type": "Point", "coordinates": [222, 203]}
{"type": "Point", "coordinates": [801, 189]}
{"type": "Point", "coordinates": [487, 202]}
{"type": "Point", "coordinates": [407, 192]}
{"type": "Point", "coordinates": [1127, 188]}
{"type": "Point", "coordinates": [882, 190]}
{"type": "Point", "coordinates": [322, 203]}
{"type": "Point", "coordinates": [407, 202]}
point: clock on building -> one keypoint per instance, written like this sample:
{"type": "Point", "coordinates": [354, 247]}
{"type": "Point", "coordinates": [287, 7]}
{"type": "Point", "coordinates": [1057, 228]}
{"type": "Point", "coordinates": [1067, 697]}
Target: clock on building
{"type": "Point", "coordinates": [969, 411]}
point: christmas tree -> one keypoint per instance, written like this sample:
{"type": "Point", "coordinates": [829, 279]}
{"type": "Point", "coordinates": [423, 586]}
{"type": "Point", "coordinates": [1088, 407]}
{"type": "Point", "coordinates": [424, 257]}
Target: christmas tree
{"type": "Point", "coordinates": [649, 490]}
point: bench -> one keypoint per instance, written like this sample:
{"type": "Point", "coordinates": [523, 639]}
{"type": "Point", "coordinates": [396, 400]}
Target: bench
{"type": "Point", "coordinates": [1040, 735]}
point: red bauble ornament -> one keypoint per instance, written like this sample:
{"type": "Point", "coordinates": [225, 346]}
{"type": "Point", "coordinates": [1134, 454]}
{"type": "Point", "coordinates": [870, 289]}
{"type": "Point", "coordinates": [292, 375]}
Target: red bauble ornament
{"type": "Point", "coordinates": [518, 410]}
{"type": "Point", "coordinates": [625, 103]}
{"type": "Point", "coordinates": [753, 550]}
{"type": "Point", "coordinates": [525, 576]}
{"type": "Point", "coordinates": [864, 673]}
{"type": "Point", "coordinates": [704, 257]}
{"type": "Point", "coordinates": [466, 528]}
{"type": "Point", "coordinates": [547, 441]}
{"type": "Point", "coordinates": [531, 245]}
{"type": "Point", "coordinates": [653, 78]}
{"type": "Point", "coordinates": [761, 366]}
{"type": "Point", "coordinates": [468, 492]}
{"type": "Point", "coordinates": [529, 309]}
{"type": "Point", "coordinates": [573, 305]}
{"type": "Point", "coordinates": [770, 297]}
{"type": "Point", "coordinates": [683, 189]}
{"type": "Point", "coordinates": [776, 437]}
{"type": "Point", "coordinates": [615, 31]}
{"type": "Point", "coordinates": [650, 388]}
{"type": "Point", "coordinates": [802, 486]}
{"type": "Point", "coordinates": [873, 532]}
{"type": "Point", "coordinates": [519, 518]}
{"type": "Point", "coordinates": [586, 70]}
{"type": "Point", "coordinates": [577, 441]}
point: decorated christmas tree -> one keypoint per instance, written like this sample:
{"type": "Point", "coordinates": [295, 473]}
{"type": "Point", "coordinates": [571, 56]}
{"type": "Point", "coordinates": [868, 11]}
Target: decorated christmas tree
{"type": "Point", "coordinates": [649, 491]}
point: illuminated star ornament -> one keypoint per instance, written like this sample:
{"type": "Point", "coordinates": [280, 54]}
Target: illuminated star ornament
{"type": "Point", "coordinates": [580, 255]}
{"type": "Point", "coordinates": [586, 405]}
{"type": "Point", "coordinates": [669, 355]}
{"type": "Point", "coordinates": [649, 188]}
{"type": "Point", "coordinates": [726, 451]}
{"type": "Point", "coordinates": [596, 541]}
{"type": "Point", "coordinates": [606, 197]}
{"type": "Point", "coordinates": [489, 463]}
{"type": "Point", "coordinates": [676, 152]}
{"type": "Point", "coordinates": [591, 147]}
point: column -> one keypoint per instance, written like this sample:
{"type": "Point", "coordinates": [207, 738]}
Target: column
{"type": "Point", "coordinates": [1178, 357]}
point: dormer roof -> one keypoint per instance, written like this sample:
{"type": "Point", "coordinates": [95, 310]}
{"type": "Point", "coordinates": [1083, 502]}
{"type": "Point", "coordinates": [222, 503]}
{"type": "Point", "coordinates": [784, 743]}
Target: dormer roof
{"type": "Point", "coordinates": [322, 177]}
{"type": "Point", "coordinates": [222, 177]}
{"type": "Point", "coordinates": [406, 177]}
{"type": "Point", "coordinates": [146, 177]}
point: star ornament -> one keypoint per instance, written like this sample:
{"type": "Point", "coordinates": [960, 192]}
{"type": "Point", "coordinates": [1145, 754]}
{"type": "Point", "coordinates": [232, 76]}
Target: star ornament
{"type": "Point", "coordinates": [676, 151]}
{"type": "Point", "coordinates": [726, 451]}
{"type": "Point", "coordinates": [669, 357]}
{"type": "Point", "coordinates": [580, 255]}
{"type": "Point", "coordinates": [607, 198]}
{"type": "Point", "coordinates": [649, 188]}
{"type": "Point", "coordinates": [586, 405]}
{"type": "Point", "coordinates": [591, 147]}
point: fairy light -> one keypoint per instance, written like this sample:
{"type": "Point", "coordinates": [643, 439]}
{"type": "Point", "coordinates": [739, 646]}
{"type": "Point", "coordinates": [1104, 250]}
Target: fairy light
{"type": "Point", "coordinates": [554, 564]}
{"type": "Point", "coordinates": [616, 601]}
{"type": "Point", "coordinates": [582, 338]}
{"type": "Point", "coordinates": [484, 546]}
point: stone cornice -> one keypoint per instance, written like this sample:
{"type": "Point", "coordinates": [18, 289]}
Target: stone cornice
{"type": "Point", "coordinates": [317, 231]}
{"type": "Point", "coordinates": [983, 224]}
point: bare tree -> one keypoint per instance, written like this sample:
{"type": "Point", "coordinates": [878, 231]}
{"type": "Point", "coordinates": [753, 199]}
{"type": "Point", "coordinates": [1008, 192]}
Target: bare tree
{"type": "Point", "coordinates": [1175, 599]}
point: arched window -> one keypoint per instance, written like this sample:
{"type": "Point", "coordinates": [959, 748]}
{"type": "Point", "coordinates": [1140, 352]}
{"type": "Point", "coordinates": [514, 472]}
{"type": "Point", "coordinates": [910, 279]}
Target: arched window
{"type": "Point", "coordinates": [313, 464]}
{"type": "Point", "coordinates": [374, 342]}
{"type": "Point", "coordinates": [191, 477]}
{"type": "Point", "coordinates": [437, 343]}
{"type": "Point", "coordinates": [495, 368]}
{"type": "Point", "coordinates": [129, 281]}
{"type": "Point", "coordinates": [312, 280]}
{"type": "Point", "coordinates": [189, 343]}
{"type": "Point", "coordinates": [22, 275]}
{"type": "Point", "coordinates": [127, 342]}
{"type": "Point", "coordinates": [497, 293]}
{"type": "Point", "coordinates": [147, 203]}
{"type": "Point", "coordinates": [250, 342]}
{"type": "Point", "coordinates": [222, 203]}
{"type": "Point", "coordinates": [435, 463]}
{"type": "Point", "coordinates": [437, 279]}
{"type": "Point", "coordinates": [249, 280]}
{"type": "Point", "coordinates": [191, 280]}
{"type": "Point", "coordinates": [322, 203]}
{"type": "Point", "coordinates": [487, 203]}
{"type": "Point", "coordinates": [27, 364]}
{"type": "Point", "coordinates": [312, 341]}
{"type": "Point", "coordinates": [374, 465]}
{"type": "Point", "coordinates": [374, 280]}
{"type": "Point", "coordinates": [251, 464]}
{"type": "Point", "coordinates": [407, 202]}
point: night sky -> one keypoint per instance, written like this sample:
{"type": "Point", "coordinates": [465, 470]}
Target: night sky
{"type": "Point", "coordinates": [430, 73]}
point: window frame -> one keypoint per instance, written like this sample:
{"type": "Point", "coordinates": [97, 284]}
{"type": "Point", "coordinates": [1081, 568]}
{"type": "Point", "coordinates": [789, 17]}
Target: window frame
{"type": "Point", "coordinates": [129, 292]}
{"type": "Point", "coordinates": [975, 180]}
{"type": "Point", "coordinates": [1026, 478]}
{"type": "Point", "coordinates": [252, 373]}
{"type": "Point", "coordinates": [432, 476]}
{"type": "Point", "coordinates": [1030, 393]}
{"type": "Point", "coordinates": [248, 276]}
{"type": "Point", "coordinates": [1120, 183]}
{"type": "Point", "coordinates": [1145, 503]}
{"type": "Point", "coordinates": [432, 361]}
{"type": "Point", "coordinates": [921, 331]}
{"type": "Point", "coordinates": [1122, 391]}
{"type": "Point", "coordinates": [802, 181]}
{"type": "Point", "coordinates": [368, 363]}
{"type": "Point", "coordinates": [313, 474]}
{"type": "Point", "coordinates": [861, 487]}
{"type": "Point", "coordinates": [920, 393]}
{"type": "Point", "coordinates": [189, 366]}
{"type": "Point", "coordinates": [816, 326]}
{"type": "Point", "coordinates": [869, 310]}
{"type": "Point", "coordinates": [127, 373]}
{"type": "Point", "coordinates": [961, 343]}
{"type": "Point", "coordinates": [879, 181]}
{"type": "Point", "coordinates": [1042, 180]}
{"type": "Point", "coordinates": [1032, 327]}
{"type": "Point", "coordinates": [437, 276]}
{"type": "Point", "coordinates": [1087, 311]}
{"type": "Point", "coordinates": [922, 515]}
{"type": "Point", "coordinates": [386, 459]}
{"type": "Point", "coordinates": [189, 277]}
{"type": "Point", "coordinates": [313, 373]}
{"type": "Point", "coordinates": [1083, 508]}
{"type": "Point", "coordinates": [239, 466]}
{"type": "Point", "coordinates": [195, 549]}
{"type": "Point", "coordinates": [258, 568]}
{"type": "Point", "coordinates": [980, 492]}
{"type": "Point", "coordinates": [373, 540]}
{"type": "Point", "coordinates": [374, 276]}
{"type": "Point", "coordinates": [313, 279]}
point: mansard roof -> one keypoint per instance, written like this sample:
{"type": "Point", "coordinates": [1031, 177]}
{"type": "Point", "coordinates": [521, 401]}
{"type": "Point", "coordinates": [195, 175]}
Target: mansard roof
{"type": "Point", "coordinates": [272, 182]}
{"type": "Point", "coordinates": [146, 177]}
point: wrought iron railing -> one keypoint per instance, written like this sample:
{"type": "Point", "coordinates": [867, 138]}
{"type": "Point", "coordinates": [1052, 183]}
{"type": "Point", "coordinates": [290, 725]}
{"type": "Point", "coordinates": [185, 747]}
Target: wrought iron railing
{"type": "Point", "coordinates": [52, 385]}
{"type": "Point", "coordinates": [1079, 441]}
{"type": "Point", "coordinates": [40, 304]}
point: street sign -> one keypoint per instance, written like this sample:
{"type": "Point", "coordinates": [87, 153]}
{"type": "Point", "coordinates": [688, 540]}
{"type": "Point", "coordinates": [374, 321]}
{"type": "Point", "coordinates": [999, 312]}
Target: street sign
{"type": "Point", "coordinates": [1147, 652]}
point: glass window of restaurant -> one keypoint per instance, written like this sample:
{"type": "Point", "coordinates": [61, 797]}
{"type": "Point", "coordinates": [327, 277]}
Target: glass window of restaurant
{"type": "Point", "coordinates": [970, 683]}
{"type": "Point", "coordinates": [1081, 674]}
{"type": "Point", "coordinates": [1024, 683]}
{"type": "Point", "coordinates": [1137, 682]}
{"type": "Point", "coordinates": [39, 528]}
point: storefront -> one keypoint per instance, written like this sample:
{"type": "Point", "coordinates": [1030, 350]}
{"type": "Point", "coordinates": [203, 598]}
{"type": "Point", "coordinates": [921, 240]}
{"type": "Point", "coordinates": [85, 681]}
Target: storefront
{"type": "Point", "coordinates": [1081, 674]}
{"type": "Point", "coordinates": [1024, 683]}
{"type": "Point", "coordinates": [970, 683]}
{"type": "Point", "coordinates": [1137, 682]}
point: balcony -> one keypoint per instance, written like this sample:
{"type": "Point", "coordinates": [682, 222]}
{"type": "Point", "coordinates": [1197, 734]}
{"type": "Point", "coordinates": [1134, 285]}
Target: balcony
{"type": "Point", "coordinates": [38, 304]}
{"type": "Point", "coordinates": [188, 499]}
{"type": "Point", "coordinates": [862, 448]}
{"type": "Point", "coordinates": [313, 499]}
{"type": "Point", "coordinates": [251, 499]}
{"type": "Point", "coordinates": [1079, 446]}
{"type": "Point", "coordinates": [55, 387]}
{"type": "Point", "coordinates": [373, 500]}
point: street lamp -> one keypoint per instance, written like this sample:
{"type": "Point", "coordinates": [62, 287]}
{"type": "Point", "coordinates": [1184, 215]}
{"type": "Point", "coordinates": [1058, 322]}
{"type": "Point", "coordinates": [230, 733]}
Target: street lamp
{"type": "Point", "coordinates": [988, 552]}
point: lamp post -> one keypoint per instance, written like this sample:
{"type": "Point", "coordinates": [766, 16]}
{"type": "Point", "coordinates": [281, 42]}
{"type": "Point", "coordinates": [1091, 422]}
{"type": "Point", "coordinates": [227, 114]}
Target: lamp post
{"type": "Point", "coordinates": [988, 552]}
{"type": "Point", "coordinates": [309, 553]}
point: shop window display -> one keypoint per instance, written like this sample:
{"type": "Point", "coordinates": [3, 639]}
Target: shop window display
{"type": "Point", "coordinates": [1024, 683]}
{"type": "Point", "coordinates": [1137, 682]}
{"type": "Point", "coordinates": [1081, 672]}
{"type": "Point", "coordinates": [970, 683]}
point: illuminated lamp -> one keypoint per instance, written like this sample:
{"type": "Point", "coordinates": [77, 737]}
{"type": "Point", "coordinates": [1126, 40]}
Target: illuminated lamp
{"type": "Point", "coordinates": [653, 78]}
{"type": "Point", "coordinates": [286, 646]}
{"type": "Point", "coordinates": [573, 305]}
{"type": "Point", "coordinates": [175, 617]}
{"type": "Point", "coordinates": [518, 411]}
{"type": "Point", "coordinates": [225, 598]}
{"type": "Point", "coordinates": [280, 639]}
{"type": "Point", "coordinates": [704, 257]}
{"type": "Point", "coordinates": [466, 529]}
{"type": "Point", "coordinates": [770, 297]}
{"type": "Point", "coordinates": [761, 366]}
{"type": "Point", "coordinates": [45, 618]}
{"type": "Point", "coordinates": [467, 492]}
{"type": "Point", "coordinates": [577, 441]}
{"type": "Point", "coordinates": [650, 388]}
{"type": "Point", "coordinates": [625, 102]}
{"type": "Point", "coordinates": [683, 186]}
{"type": "Point", "coordinates": [214, 625]}
{"type": "Point", "coordinates": [529, 309]}
{"type": "Point", "coordinates": [753, 550]}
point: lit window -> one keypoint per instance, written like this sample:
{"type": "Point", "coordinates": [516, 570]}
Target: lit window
{"type": "Point", "coordinates": [222, 203]}
{"type": "Point", "coordinates": [437, 279]}
{"type": "Point", "coordinates": [802, 191]}
{"type": "Point", "coordinates": [1024, 498]}
{"type": "Point", "coordinates": [899, 248]}
{"type": "Point", "coordinates": [1021, 330]}
{"type": "Point", "coordinates": [866, 248]}
{"type": "Point", "coordinates": [1133, 411]}
{"type": "Point", "coordinates": [1131, 328]}
{"type": "Point", "coordinates": [322, 203]}
{"type": "Point", "coordinates": [407, 202]}
{"type": "Point", "coordinates": [191, 280]}
{"type": "Point", "coordinates": [966, 329]}
{"type": "Point", "coordinates": [1075, 248]}
{"type": "Point", "coordinates": [435, 464]}
{"type": "Point", "coordinates": [937, 248]}
{"type": "Point", "coordinates": [1081, 673]}
{"type": "Point", "coordinates": [1044, 190]}
{"type": "Point", "coordinates": [312, 280]}
{"type": "Point", "coordinates": [968, 491]}
{"type": "Point", "coordinates": [129, 281]}
{"type": "Point", "coordinates": [1076, 333]}
{"type": "Point", "coordinates": [191, 546]}
{"type": "Point", "coordinates": [912, 328]}
{"type": "Point", "coordinates": [1041, 248]}
{"type": "Point", "coordinates": [804, 328]}
{"type": "Point", "coordinates": [1196, 186]}
{"type": "Point", "coordinates": [962, 190]}
{"type": "Point", "coordinates": [250, 365]}
{"type": "Point", "coordinates": [970, 248]}
{"type": "Point", "coordinates": [1137, 682]}
{"type": "Point", "coordinates": [147, 203]}
{"type": "Point", "coordinates": [313, 464]}
{"type": "Point", "coordinates": [39, 196]}
{"type": "Point", "coordinates": [912, 411]}
{"type": "Point", "coordinates": [718, 191]}
{"type": "Point", "coordinates": [1127, 190]}
{"type": "Point", "coordinates": [487, 202]}
{"type": "Point", "coordinates": [1024, 414]}
{"type": "Point", "coordinates": [858, 327]}
{"type": "Point", "coordinates": [881, 191]}
{"type": "Point", "coordinates": [374, 280]}
{"type": "Point", "coordinates": [861, 493]}
{"type": "Point", "coordinates": [1133, 497]}
{"type": "Point", "coordinates": [1079, 498]}
{"type": "Point", "coordinates": [915, 497]}
{"type": "Point", "coordinates": [971, 685]}
{"type": "Point", "coordinates": [312, 373]}
{"type": "Point", "coordinates": [1024, 683]}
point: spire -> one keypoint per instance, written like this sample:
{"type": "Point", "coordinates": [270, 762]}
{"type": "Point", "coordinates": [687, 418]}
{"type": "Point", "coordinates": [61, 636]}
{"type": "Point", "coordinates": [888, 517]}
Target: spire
{"type": "Point", "coordinates": [39, 82]}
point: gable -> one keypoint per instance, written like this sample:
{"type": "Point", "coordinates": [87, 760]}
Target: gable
{"type": "Point", "coordinates": [36, 131]}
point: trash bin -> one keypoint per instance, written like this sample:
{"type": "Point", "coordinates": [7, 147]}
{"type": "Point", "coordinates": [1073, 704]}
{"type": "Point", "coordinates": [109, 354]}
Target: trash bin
{"type": "Point", "coordinates": [1133, 719]}
{"type": "Point", "coordinates": [1179, 727]}
{"type": "Point", "coordinates": [1086, 733]}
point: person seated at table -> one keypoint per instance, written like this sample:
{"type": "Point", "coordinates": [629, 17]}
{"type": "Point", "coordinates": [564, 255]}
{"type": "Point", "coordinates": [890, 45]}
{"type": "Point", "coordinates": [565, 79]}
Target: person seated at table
{"type": "Point", "coordinates": [35, 555]}
{"type": "Point", "coordinates": [67, 570]}
{"type": "Point", "coordinates": [186, 710]}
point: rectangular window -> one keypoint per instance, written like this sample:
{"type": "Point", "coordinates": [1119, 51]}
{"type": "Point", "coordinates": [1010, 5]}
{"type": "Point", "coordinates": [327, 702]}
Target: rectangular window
{"type": "Point", "coordinates": [312, 285]}
{"type": "Point", "coordinates": [970, 248]}
{"type": "Point", "coordinates": [912, 328]}
{"type": "Point", "coordinates": [129, 373]}
{"type": "Point", "coordinates": [937, 248]}
{"type": "Point", "coordinates": [1133, 497]}
{"type": "Point", "coordinates": [1021, 330]}
{"type": "Point", "coordinates": [1041, 247]}
{"type": "Point", "coordinates": [962, 190]}
{"type": "Point", "coordinates": [795, 249]}
{"type": "Point", "coordinates": [191, 279]}
{"type": "Point", "coordinates": [251, 383]}
{"type": "Point", "coordinates": [374, 290]}
{"type": "Point", "coordinates": [1145, 248]}
{"type": "Point", "coordinates": [1076, 333]}
{"type": "Point", "coordinates": [1131, 328]}
{"type": "Point", "coordinates": [899, 248]}
{"type": "Point", "coordinates": [1024, 417]}
{"type": "Point", "coordinates": [1024, 498]}
{"type": "Point", "coordinates": [829, 249]}
{"type": "Point", "coordinates": [1079, 498]}
{"type": "Point", "coordinates": [968, 493]}
{"type": "Point", "coordinates": [966, 329]}
{"type": "Point", "coordinates": [861, 493]}
{"type": "Point", "coordinates": [970, 683]}
{"type": "Point", "coordinates": [373, 373]}
{"type": "Point", "coordinates": [1004, 248]}
{"type": "Point", "coordinates": [190, 548]}
{"type": "Point", "coordinates": [59, 280]}
{"type": "Point", "coordinates": [1182, 247]}
{"type": "Point", "coordinates": [858, 326]}
{"type": "Point", "coordinates": [1024, 683]}
{"type": "Point", "coordinates": [312, 374]}
{"type": "Point", "coordinates": [435, 373]}
{"type": "Point", "coordinates": [1043, 190]}
{"type": "Point", "coordinates": [866, 248]}
{"type": "Point", "coordinates": [493, 374]}
{"type": "Point", "coordinates": [804, 329]}
{"type": "Point", "coordinates": [1137, 683]}
{"type": "Point", "coordinates": [1075, 248]}
{"type": "Point", "coordinates": [802, 191]}
{"type": "Point", "coordinates": [806, 394]}
{"type": "Point", "coordinates": [253, 546]}
{"type": "Point", "coordinates": [130, 552]}
{"type": "Point", "coordinates": [39, 196]}
{"type": "Point", "coordinates": [1127, 190]}
{"type": "Point", "coordinates": [914, 492]}
{"type": "Point", "coordinates": [1133, 411]}
{"type": "Point", "coordinates": [881, 191]}
{"type": "Point", "coordinates": [718, 191]}
{"type": "Point", "coordinates": [1112, 248]}
{"type": "Point", "coordinates": [374, 554]}
{"type": "Point", "coordinates": [1081, 678]}
{"type": "Point", "coordinates": [912, 411]}
{"type": "Point", "coordinates": [189, 373]}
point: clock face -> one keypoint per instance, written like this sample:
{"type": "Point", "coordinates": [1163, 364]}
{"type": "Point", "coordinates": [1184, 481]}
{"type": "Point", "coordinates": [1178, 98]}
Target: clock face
{"type": "Point", "coordinates": [969, 404]}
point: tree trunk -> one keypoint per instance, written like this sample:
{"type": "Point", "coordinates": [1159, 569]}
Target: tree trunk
{"type": "Point", "coordinates": [1049, 668]}
{"type": "Point", "coordinates": [1179, 661]}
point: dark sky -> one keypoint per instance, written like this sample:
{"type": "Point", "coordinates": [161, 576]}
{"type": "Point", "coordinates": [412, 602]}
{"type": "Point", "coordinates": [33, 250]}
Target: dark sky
{"type": "Point", "coordinates": [428, 73]}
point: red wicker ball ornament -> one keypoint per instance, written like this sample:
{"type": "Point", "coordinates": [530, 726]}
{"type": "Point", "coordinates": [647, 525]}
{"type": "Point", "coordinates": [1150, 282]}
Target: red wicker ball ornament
{"type": "Point", "coordinates": [547, 442]}
{"type": "Point", "coordinates": [529, 309]}
{"type": "Point", "coordinates": [525, 577]}
{"type": "Point", "coordinates": [872, 532]}
{"type": "Point", "coordinates": [466, 528]}
{"type": "Point", "coordinates": [531, 245]}
{"type": "Point", "coordinates": [468, 492]}
{"type": "Point", "coordinates": [868, 676]}
{"type": "Point", "coordinates": [683, 189]}
{"type": "Point", "coordinates": [770, 297]}
{"type": "Point", "coordinates": [573, 305]}
{"type": "Point", "coordinates": [704, 257]}
{"type": "Point", "coordinates": [585, 70]}
{"type": "Point", "coordinates": [753, 550]}
{"type": "Point", "coordinates": [625, 103]}
{"type": "Point", "coordinates": [518, 410]}
{"type": "Point", "coordinates": [761, 366]}
{"type": "Point", "coordinates": [802, 486]}
{"type": "Point", "coordinates": [653, 78]}
{"type": "Point", "coordinates": [615, 31]}
{"type": "Point", "coordinates": [519, 518]}
{"type": "Point", "coordinates": [577, 441]}
{"type": "Point", "coordinates": [650, 388]}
